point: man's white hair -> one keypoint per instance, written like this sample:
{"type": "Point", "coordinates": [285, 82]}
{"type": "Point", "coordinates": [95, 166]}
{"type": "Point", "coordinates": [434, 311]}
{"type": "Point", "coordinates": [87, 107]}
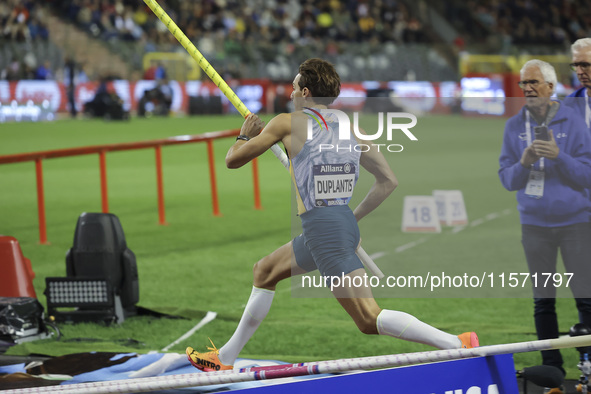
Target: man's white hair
{"type": "Point", "coordinates": [547, 70]}
{"type": "Point", "coordinates": [581, 43]}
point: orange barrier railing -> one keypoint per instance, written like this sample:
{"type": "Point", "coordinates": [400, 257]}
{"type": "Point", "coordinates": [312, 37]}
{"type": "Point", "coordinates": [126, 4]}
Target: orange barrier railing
{"type": "Point", "coordinates": [102, 150]}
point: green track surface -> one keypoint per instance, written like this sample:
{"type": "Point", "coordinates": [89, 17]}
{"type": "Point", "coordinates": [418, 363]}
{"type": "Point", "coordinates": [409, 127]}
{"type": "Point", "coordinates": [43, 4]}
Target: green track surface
{"type": "Point", "coordinates": [199, 263]}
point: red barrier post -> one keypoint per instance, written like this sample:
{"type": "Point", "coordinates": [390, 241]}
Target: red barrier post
{"type": "Point", "coordinates": [41, 202]}
{"type": "Point", "coordinates": [214, 189]}
{"type": "Point", "coordinates": [102, 150]}
{"type": "Point", "coordinates": [160, 186]}
{"type": "Point", "coordinates": [255, 181]}
{"type": "Point", "coordinates": [103, 171]}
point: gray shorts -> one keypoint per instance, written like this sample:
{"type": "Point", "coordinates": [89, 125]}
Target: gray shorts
{"type": "Point", "coordinates": [328, 242]}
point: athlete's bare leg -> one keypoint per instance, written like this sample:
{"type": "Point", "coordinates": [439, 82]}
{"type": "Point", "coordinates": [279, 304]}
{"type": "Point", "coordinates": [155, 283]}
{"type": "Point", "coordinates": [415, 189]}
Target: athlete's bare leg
{"type": "Point", "coordinates": [371, 319]}
{"type": "Point", "coordinates": [267, 273]}
{"type": "Point", "coordinates": [275, 267]}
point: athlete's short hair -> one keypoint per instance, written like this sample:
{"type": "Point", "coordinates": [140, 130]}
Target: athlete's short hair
{"type": "Point", "coordinates": [321, 78]}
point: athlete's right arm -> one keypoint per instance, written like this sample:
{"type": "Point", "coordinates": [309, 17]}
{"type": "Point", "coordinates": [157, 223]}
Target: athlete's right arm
{"type": "Point", "coordinates": [244, 151]}
{"type": "Point", "coordinates": [385, 181]}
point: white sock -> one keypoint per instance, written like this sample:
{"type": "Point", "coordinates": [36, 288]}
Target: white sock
{"type": "Point", "coordinates": [256, 309]}
{"type": "Point", "coordinates": [404, 326]}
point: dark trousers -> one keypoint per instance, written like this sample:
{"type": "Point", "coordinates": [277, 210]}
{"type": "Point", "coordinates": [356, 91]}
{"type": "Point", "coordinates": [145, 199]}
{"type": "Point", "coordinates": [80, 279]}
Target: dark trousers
{"type": "Point", "coordinates": [72, 102]}
{"type": "Point", "coordinates": [541, 246]}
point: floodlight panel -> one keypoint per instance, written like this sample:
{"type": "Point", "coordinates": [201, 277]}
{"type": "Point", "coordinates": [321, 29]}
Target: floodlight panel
{"type": "Point", "coordinates": [76, 292]}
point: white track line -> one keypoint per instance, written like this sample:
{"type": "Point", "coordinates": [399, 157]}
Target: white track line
{"type": "Point", "coordinates": [208, 317]}
{"type": "Point", "coordinates": [457, 229]}
{"type": "Point", "coordinates": [454, 230]}
{"type": "Point", "coordinates": [377, 255]}
{"type": "Point", "coordinates": [404, 247]}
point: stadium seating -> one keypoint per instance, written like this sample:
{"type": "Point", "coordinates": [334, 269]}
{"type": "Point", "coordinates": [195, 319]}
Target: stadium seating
{"type": "Point", "coordinates": [243, 40]}
{"type": "Point", "coordinates": [250, 42]}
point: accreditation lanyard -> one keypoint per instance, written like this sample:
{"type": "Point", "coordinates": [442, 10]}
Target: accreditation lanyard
{"type": "Point", "coordinates": [529, 135]}
{"type": "Point", "coordinates": [535, 182]}
{"type": "Point", "coordinates": [587, 111]}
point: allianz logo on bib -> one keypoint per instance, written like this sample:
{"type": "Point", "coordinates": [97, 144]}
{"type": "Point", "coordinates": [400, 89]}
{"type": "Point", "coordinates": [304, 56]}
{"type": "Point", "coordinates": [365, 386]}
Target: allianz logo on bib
{"type": "Point", "coordinates": [345, 130]}
{"type": "Point", "coordinates": [346, 168]}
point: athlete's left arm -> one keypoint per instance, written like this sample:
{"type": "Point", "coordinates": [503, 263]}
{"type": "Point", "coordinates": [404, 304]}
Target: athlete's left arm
{"type": "Point", "coordinates": [244, 151]}
{"type": "Point", "coordinates": [385, 181]}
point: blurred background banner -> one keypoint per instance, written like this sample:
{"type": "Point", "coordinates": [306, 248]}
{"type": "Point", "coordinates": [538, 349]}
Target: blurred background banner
{"type": "Point", "coordinates": [260, 95]}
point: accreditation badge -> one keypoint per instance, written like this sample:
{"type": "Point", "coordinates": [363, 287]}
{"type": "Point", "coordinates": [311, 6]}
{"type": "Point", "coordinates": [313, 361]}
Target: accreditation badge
{"type": "Point", "coordinates": [333, 184]}
{"type": "Point", "coordinates": [535, 184]}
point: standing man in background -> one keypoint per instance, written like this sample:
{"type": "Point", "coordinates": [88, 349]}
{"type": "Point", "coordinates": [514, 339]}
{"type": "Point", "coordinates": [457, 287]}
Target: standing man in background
{"type": "Point", "coordinates": [579, 99]}
{"type": "Point", "coordinates": [546, 158]}
{"type": "Point", "coordinates": [70, 80]}
{"type": "Point", "coordinates": [581, 65]}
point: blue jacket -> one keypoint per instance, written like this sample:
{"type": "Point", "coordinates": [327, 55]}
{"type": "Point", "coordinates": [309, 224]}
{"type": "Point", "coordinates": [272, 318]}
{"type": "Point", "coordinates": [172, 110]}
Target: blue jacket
{"type": "Point", "coordinates": [567, 178]}
{"type": "Point", "coordinates": [578, 93]}
{"type": "Point", "coordinates": [576, 100]}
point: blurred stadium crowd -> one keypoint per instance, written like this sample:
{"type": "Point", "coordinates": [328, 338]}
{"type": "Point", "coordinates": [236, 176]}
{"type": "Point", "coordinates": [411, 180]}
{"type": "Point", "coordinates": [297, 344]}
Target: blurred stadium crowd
{"type": "Point", "coordinates": [247, 30]}
{"type": "Point", "coordinates": [247, 20]}
{"type": "Point", "coordinates": [253, 38]}
{"type": "Point", "coordinates": [22, 20]}
{"type": "Point", "coordinates": [238, 32]}
{"type": "Point", "coordinates": [521, 22]}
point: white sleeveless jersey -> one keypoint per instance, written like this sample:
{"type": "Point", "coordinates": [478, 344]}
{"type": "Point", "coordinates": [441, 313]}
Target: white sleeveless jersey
{"type": "Point", "coordinates": [326, 170]}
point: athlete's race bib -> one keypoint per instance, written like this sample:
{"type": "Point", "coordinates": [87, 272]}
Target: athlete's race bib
{"type": "Point", "coordinates": [333, 184]}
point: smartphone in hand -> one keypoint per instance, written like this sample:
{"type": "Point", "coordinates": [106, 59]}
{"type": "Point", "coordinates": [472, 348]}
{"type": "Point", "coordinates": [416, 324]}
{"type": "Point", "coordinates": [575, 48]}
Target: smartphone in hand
{"type": "Point", "coordinates": [541, 133]}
